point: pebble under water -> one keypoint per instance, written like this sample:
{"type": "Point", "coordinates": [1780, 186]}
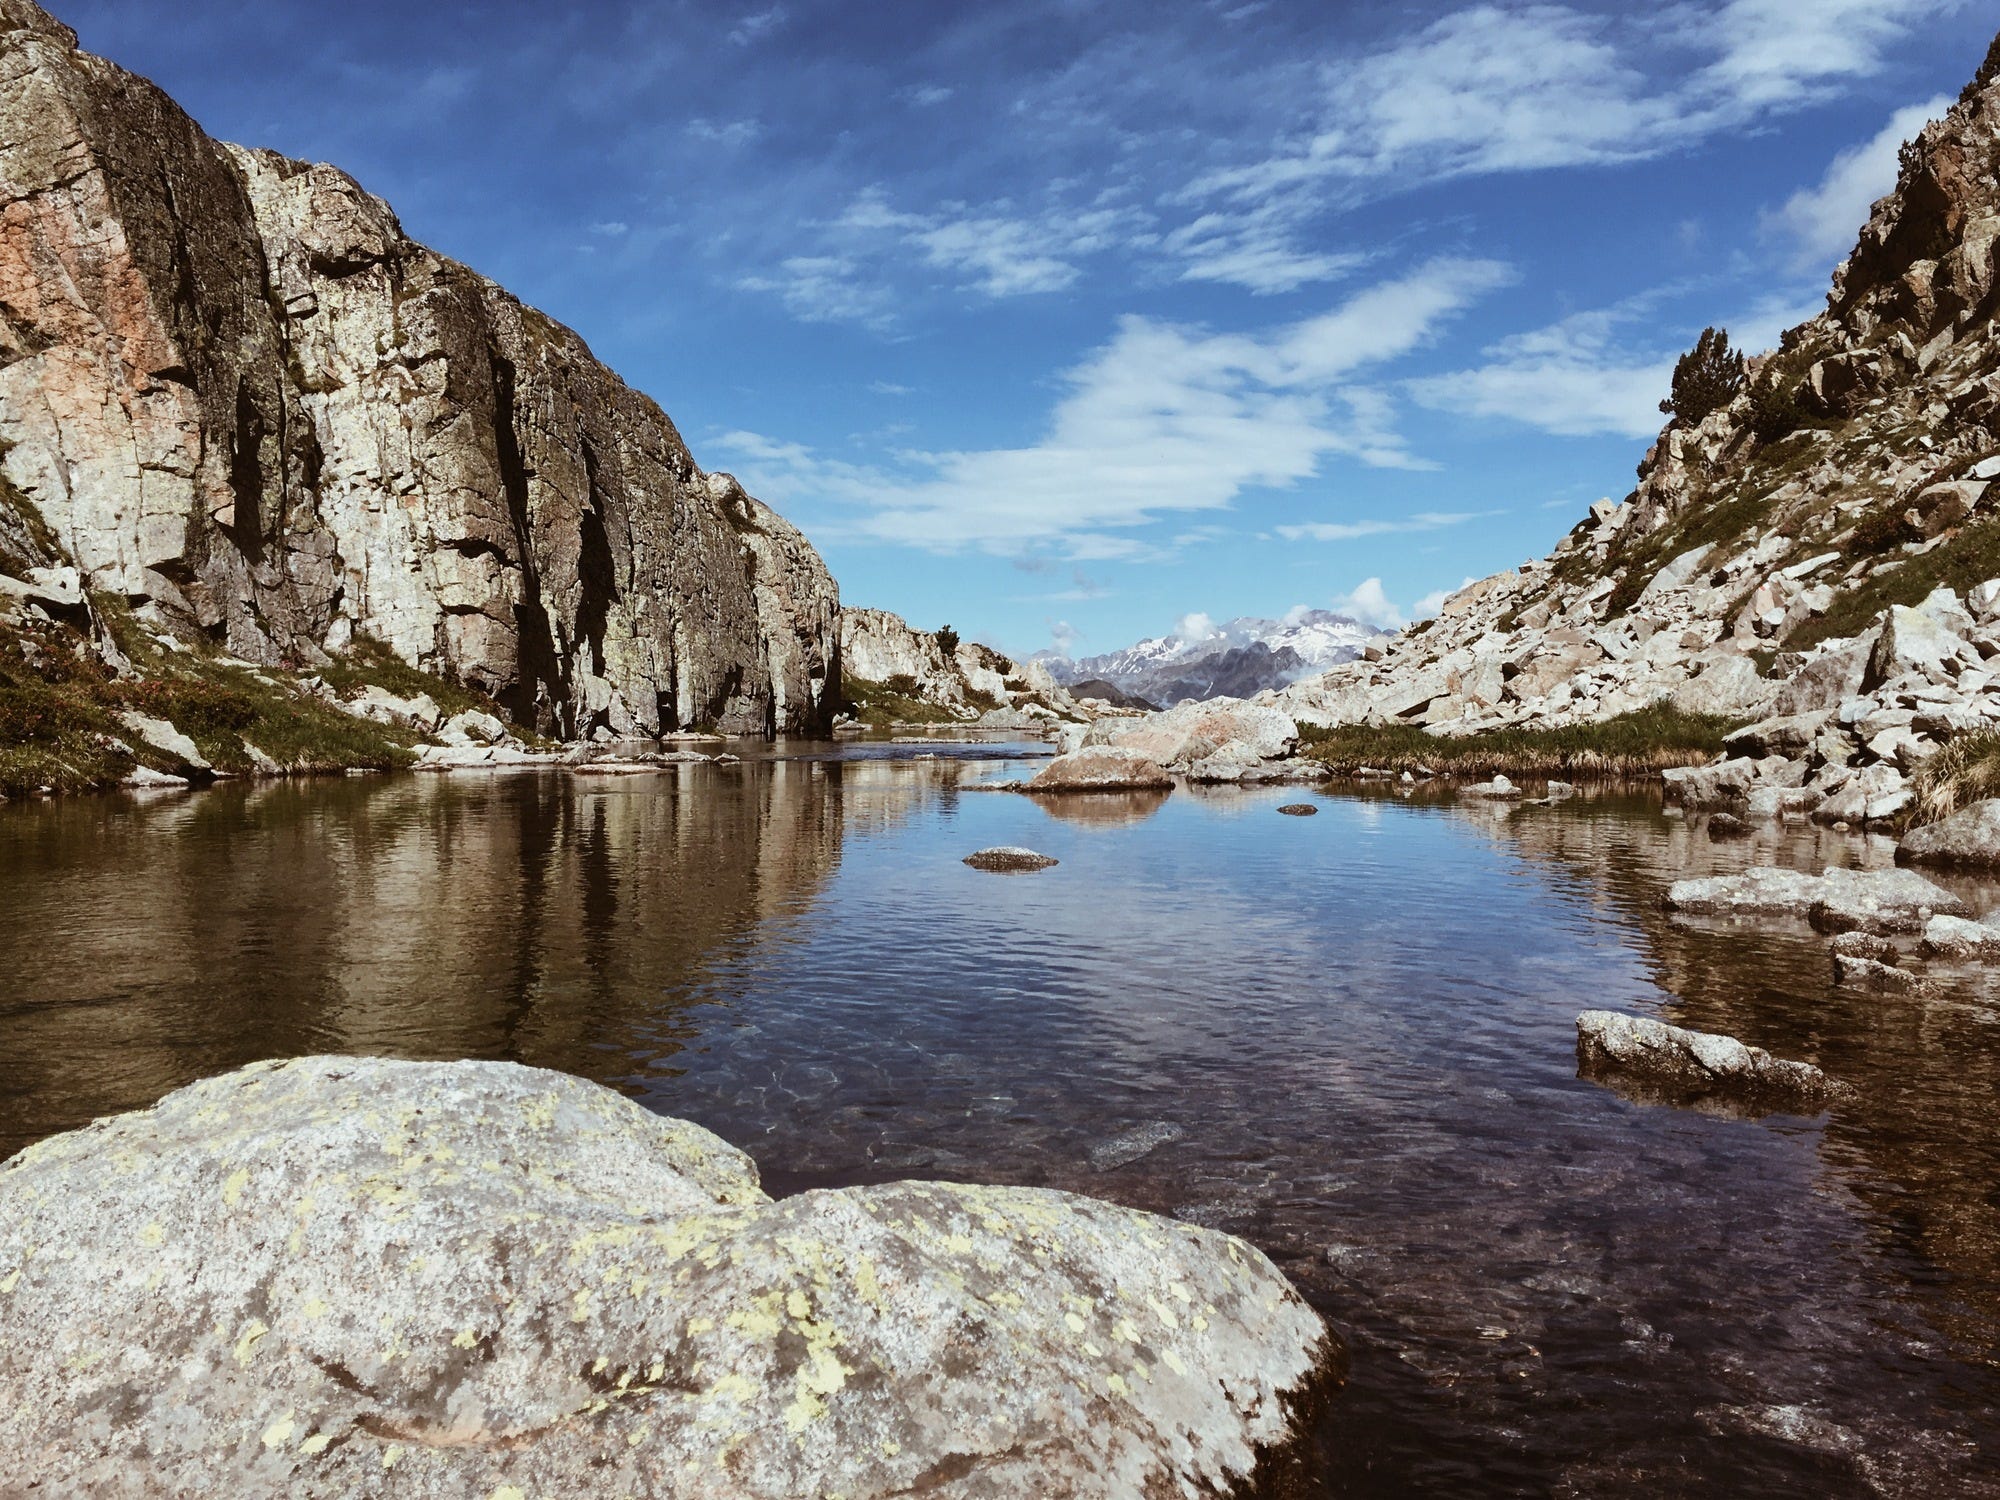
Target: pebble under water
{"type": "Point", "coordinates": [1348, 1038]}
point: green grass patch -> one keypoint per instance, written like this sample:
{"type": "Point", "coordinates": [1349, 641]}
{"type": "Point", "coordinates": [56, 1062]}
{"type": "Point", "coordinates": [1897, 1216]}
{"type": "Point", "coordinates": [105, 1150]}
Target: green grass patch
{"type": "Point", "coordinates": [1971, 556]}
{"type": "Point", "coordinates": [1641, 742]}
{"type": "Point", "coordinates": [883, 704]}
{"type": "Point", "coordinates": [369, 663]}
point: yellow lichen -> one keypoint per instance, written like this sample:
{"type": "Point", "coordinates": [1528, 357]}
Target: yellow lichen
{"type": "Point", "coordinates": [232, 1189]}
{"type": "Point", "coordinates": [279, 1432]}
{"type": "Point", "coordinates": [317, 1444]}
{"type": "Point", "coordinates": [246, 1346]}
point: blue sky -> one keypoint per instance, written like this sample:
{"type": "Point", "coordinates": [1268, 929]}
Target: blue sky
{"type": "Point", "coordinates": [1060, 320]}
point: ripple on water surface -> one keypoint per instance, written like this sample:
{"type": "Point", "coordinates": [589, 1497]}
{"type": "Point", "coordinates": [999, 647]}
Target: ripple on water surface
{"type": "Point", "coordinates": [1348, 1038]}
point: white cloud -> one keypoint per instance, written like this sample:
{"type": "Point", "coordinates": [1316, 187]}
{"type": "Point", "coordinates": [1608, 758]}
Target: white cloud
{"type": "Point", "coordinates": [1368, 603]}
{"type": "Point", "coordinates": [1005, 255]}
{"type": "Point", "coordinates": [1195, 627]}
{"type": "Point", "coordinates": [928, 96]}
{"type": "Point", "coordinates": [890, 388]}
{"type": "Point", "coordinates": [1495, 88]}
{"type": "Point", "coordinates": [1822, 220]}
{"type": "Point", "coordinates": [1161, 419]}
{"type": "Point", "coordinates": [611, 229]}
{"type": "Point", "coordinates": [757, 26]}
{"type": "Point", "coordinates": [724, 132]}
{"type": "Point", "coordinates": [1570, 378]}
{"type": "Point", "coordinates": [824, 289]}
{"type": "Point", "coordinates": [1348, 531]}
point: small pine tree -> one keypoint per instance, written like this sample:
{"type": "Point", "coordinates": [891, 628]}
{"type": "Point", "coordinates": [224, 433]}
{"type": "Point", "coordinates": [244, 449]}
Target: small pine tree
{"type": "Point", "coordinates": [1706, 378]}
{"type": "Point", "coordinates": [947, 640]}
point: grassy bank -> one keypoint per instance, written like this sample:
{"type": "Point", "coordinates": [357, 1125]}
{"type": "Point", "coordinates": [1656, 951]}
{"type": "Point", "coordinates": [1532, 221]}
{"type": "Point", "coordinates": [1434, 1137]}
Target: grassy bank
{"type": "Point", "coordinates": [1964, 772]}
{"type": "Point", "coordinates": [881, 705]}
{"type": "Point", "coordinates": [60, 708]}
{"type": "Point", "coordinates": [1643, 742]}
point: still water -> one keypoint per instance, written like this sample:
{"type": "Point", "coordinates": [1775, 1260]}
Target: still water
{"type": "Point", "coordinates": [1348, 1038]}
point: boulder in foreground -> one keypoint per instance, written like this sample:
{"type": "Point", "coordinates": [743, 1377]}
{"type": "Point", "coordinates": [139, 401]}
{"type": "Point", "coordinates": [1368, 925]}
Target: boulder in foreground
{"type": "Point", "coordinates": [1675, 1059]}
{"type": "Point", "coordinates": [1101, 768]}
{"type": "Point", "coordinates": [355, 1277]}
{"type": "Point", "coordinates": [1010, 860]}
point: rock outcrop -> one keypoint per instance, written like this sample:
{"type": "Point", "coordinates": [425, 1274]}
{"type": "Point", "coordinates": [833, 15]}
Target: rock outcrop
{"type": "Point", "coordinates": [1673, 1059]}
{"type": "Point", "coordinates": [1218, 740]}
{"type": "Point", "coordinates": [1821, 544]}
{"type": "Point", "coordinates": [1840, 900]}
{"type": "Point", "coordinates": [880, 649]}
{"type": "Point", "coordinates": [355, 1277]}
{"type": "Point", "coordinates": [1969, 837]}
{"type": "Point", "coordinates": [1101, 768]}
{"type": "Point", "coordinates": [235, 395]}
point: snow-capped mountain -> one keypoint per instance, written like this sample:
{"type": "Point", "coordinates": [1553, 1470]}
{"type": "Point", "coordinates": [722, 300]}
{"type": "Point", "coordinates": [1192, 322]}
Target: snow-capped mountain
{"type": "Point", "coordinates": [1239, 657]}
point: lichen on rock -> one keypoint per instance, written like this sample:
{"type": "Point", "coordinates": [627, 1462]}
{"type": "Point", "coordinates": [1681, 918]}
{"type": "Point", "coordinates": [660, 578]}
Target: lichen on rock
{"type": "Point", "coordinates": [352, 1277]}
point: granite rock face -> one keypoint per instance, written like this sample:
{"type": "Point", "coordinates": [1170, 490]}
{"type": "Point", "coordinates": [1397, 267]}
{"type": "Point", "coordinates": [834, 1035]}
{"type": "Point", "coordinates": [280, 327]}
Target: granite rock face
{"type": "Point", "coordinates": [355, 1277]}
{"type": "Point", "coordinates": [1102, 768]}
{"type": "Point", "coordinates": [235, 393]}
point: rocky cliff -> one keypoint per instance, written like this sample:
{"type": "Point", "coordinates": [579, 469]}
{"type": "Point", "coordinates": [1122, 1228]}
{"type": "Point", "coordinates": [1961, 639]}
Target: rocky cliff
{"type": "Point", "coordinates": [878, 648]}
{"type": "Point", "coordinates": [234, 394]}
{"type": "Point", "coordinates": [1753, 566]}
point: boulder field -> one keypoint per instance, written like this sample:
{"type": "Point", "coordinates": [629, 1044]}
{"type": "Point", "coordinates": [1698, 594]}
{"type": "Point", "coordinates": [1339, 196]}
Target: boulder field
{"type": "Point", "coordinates": [344, 1276]}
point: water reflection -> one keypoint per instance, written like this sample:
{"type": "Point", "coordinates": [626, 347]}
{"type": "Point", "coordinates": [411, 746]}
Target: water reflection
{"type": "Point", "coordinates": [1349, 1038]}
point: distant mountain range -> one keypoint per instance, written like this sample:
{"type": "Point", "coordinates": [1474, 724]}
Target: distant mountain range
{"type": "Point", "coordinates": [1232, 660]}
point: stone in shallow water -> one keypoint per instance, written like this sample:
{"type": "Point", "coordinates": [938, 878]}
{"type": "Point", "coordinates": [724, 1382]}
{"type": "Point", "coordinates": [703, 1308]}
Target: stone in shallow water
{"type": "Point", "coordinates": [1878, 901]}
{"type": "Point", "coordinates": [1129, 1145]}
{"type": "Point", "coordinates": [1010, 860]}
{"type": "Point", "coordinates": [356, 1277]}
{"type": "Point", "coordinates": [1101, 768]}
{"type": "Point", "coordinates": [1970, 836]}
{"type": "Point", "coordinates": [1299, 810]}
{"type": "Point", "coordinates": [1697, 1062]}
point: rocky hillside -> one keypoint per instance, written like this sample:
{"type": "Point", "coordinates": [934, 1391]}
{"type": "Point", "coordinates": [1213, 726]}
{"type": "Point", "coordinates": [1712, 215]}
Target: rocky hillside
{"type": "Point", "coordinates": [239, 402]}
{"type": "Point", "coordinates": [893, 672]}
{"type": "Point", "coordinates": [1849, 471]}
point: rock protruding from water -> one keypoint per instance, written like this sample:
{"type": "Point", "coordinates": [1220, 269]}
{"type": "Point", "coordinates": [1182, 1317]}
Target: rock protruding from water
{"type": "Point", "coordinates": [1299, 810]}
{"type": "Point", "coordinates": [1675, 1059]}
{"type": "Point", "coordinates": [1877, 901]}
{"type": "Point", "coordinates": [1969, 837]}
{"type": "Point", "coordinates": [1010, 860]}
{"type": "Point", "coordinates": [356, 1277]}
{"type": "Point", "coordinates": [1222, 740]}
{"type": "Point", "coordinates": [1102, 768]}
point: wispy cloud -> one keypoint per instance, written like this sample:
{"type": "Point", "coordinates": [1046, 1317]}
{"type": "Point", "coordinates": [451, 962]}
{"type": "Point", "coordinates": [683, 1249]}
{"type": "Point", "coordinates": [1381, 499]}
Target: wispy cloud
{"type": "Point", "coordinates": [1162, 419]}
{"type": "Point", "coordinates": [758, 25]}
{"type": "Point", "coordinates": [1572, 378]}
{"type": "Point", "coordinates": [724, 132]}
{"type": "Point", "coordinates": [1493, 88]}
{"type": "Point", "coordinates": [824, 289]}
{"type": "Point", "coordinates": [1821, 220]}
{"type": "Point", "coordinates": [1347, 531]}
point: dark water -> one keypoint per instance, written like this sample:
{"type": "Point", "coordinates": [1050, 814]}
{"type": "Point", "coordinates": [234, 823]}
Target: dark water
{"type": "Point", "coordinates": [1348, 1038]}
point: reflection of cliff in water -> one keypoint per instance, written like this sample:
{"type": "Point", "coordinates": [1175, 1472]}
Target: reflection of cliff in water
{"type": "Point", "coordinates": [1918, 1143]}
{"type": "Point", "coordinates": [522, 917]}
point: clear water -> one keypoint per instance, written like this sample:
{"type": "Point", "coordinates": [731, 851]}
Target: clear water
{"type": "Point", "coordinates": [1348, 1038]}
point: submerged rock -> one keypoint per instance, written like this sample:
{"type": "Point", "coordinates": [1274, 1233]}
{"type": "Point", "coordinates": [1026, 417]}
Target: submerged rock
{"type": "Point", "coordinates": [1970, 837]}
{"type": "Point", "coordinates": [357, 1277]}
{"type": "Point", "coordinates": [1010, 860]}
{"type": "Point", "coordinates": [1129, 1145]}
{"type": "Point", "coordinates": [1855, 971]}
{"type": "Point", "coordinates": [1101, 768]}
{"type": "Point", "coordinates": [1694, 1061]}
